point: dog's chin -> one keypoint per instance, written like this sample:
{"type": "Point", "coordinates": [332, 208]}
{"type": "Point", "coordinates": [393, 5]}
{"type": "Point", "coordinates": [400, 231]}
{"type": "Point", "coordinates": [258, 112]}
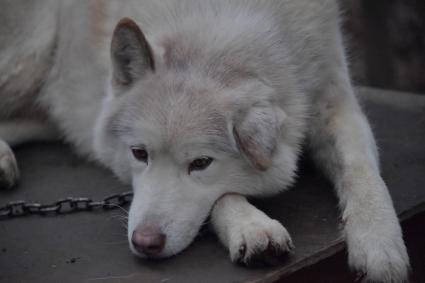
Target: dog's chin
{"type": "Point", "coordinates": [169, 251]}
{"type": "Point", "coordinates": [144, 256]}
{"type": "Point", "coordinates": [160, 256]}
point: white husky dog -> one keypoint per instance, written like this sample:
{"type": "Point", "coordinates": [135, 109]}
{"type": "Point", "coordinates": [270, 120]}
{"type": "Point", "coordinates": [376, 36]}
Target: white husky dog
{"type": "Point", "coordinates": [209, 104]}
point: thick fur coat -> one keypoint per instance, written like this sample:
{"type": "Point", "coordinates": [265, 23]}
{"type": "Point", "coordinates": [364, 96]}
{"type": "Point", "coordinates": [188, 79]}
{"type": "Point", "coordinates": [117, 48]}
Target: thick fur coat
{"type": "Point", "coordinates": [198, 104]}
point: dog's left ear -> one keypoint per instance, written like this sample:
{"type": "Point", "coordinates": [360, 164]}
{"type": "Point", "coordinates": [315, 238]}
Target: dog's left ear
{"type": "Point", "coordinates": [131, 54]}
{"type": "Point", "coordinates": [258, 133]}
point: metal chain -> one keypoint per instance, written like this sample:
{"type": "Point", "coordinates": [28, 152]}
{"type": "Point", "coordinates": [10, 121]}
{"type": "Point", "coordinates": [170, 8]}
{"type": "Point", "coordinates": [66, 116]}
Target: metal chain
{"type": "Point", "coordinates": [63, 206]}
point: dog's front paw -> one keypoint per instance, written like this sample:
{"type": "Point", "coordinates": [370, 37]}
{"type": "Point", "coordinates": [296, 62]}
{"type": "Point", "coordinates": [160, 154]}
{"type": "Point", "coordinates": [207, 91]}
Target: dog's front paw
{"type": "Point", "coordinates": [378, 255]}
{"type": "Point", "coordinates": [259, 241]}
{"type": "Point", "coordinates": [9, 173]}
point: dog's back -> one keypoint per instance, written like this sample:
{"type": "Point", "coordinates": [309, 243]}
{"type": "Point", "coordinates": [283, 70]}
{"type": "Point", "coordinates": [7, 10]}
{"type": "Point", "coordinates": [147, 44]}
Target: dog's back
{"type": "Point", "coordinates": [27, 39]}
{"type": "Point", "coordinates": [305, 30]}
{"type": "Point", "coordinates": [64, 46]}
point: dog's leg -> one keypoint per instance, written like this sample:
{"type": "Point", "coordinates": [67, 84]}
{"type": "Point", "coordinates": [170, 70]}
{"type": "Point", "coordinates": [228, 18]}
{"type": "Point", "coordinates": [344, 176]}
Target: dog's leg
{"type": "Point", "coordinates": [13, 133]}
{"type": "Point", "coordinates": [343, 145]}
{"type": "Point", "coordinates": [250, 235]}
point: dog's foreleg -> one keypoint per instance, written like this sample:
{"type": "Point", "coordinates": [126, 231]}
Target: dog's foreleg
{"type": "Point", "coordinates": [343, 145]}
{"type": "Point", "coordinates": [249, 234]}
{"type": "Point", "coordinates": [17, 132]}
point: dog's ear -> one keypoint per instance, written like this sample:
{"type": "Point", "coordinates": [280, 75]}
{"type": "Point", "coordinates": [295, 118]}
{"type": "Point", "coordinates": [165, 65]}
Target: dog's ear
{"type": "Point", "coordinates": [131, 54]}
{"type": "Point", "coordinates": [257, 134]}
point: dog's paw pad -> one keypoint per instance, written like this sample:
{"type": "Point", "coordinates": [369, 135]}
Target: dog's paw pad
{"type": "Point", "coordinates": [9, 173]}
{"type": "Point", "coordinates": [264, 242]}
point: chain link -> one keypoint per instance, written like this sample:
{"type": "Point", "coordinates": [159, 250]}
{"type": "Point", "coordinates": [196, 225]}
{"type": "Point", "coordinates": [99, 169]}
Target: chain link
{"type": "Point", "coordinates": [63, 206]}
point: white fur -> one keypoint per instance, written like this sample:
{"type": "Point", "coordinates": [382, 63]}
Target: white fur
{"type": "Point", "coordinates": [245, 230]}
{"type": "Point", "coordinates": [220, 66]}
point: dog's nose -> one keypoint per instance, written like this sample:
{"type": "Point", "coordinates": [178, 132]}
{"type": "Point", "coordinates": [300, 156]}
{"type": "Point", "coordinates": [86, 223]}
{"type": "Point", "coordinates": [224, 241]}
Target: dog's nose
{"type": "Point", "coordinates": [148, 240]}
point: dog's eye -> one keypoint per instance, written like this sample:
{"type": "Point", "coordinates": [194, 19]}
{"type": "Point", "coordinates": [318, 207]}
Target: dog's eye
{"type": "Point", "coordinates": [200, 164]}
{"type": "Point", "coordinates": [140, 154]}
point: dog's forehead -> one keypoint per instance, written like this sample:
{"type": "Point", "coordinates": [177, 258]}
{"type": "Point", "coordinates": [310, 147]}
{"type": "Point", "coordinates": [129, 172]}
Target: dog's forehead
{"type": "Point", "coordinates": [177, 113]}
{"type": "Point", "coordinates": [196, 125]}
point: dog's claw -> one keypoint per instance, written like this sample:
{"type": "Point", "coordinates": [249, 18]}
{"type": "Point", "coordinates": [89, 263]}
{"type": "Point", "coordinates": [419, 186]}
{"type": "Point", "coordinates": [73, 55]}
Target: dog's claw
{"type": "Point", "coordinates": [242, 250]}
{"type": "Point", "coordinates": [271, 256]}
{"type": "Point", "coordinates": [360, 276]}
{"type": "Point", "coordinates": [241, 254]}
{"type": "Point", "coordinates": [290, 245]}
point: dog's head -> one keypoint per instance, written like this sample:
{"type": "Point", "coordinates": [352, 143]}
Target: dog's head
{"type": "Point", "coordinates": [183, 140]}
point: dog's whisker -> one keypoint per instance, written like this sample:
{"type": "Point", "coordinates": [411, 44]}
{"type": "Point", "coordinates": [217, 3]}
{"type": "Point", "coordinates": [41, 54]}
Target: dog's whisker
{"type": "Point", "coordinates": [121, 208]}
{"type": "Point", "coordinates": [122, 218]}
{"type": "Point", "coordinates": [119, 215]}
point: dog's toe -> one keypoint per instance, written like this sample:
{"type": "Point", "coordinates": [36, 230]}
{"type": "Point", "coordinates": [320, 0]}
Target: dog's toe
{"type": "Point", "coordinates": [272, 255]}
{"type": "Point", "coordinates": [9, 173]}
{"type": "Point", "coordinates": [260, 242]}
{"type": "Point", "coordinates": [241, 254]}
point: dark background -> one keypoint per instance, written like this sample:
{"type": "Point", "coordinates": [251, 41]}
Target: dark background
{"type": "Point", "coordinates": [386, 43]}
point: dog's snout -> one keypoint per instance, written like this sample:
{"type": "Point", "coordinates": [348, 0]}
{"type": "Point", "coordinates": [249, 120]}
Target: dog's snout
{"type": "Point", "coordinates": [148, 240]}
